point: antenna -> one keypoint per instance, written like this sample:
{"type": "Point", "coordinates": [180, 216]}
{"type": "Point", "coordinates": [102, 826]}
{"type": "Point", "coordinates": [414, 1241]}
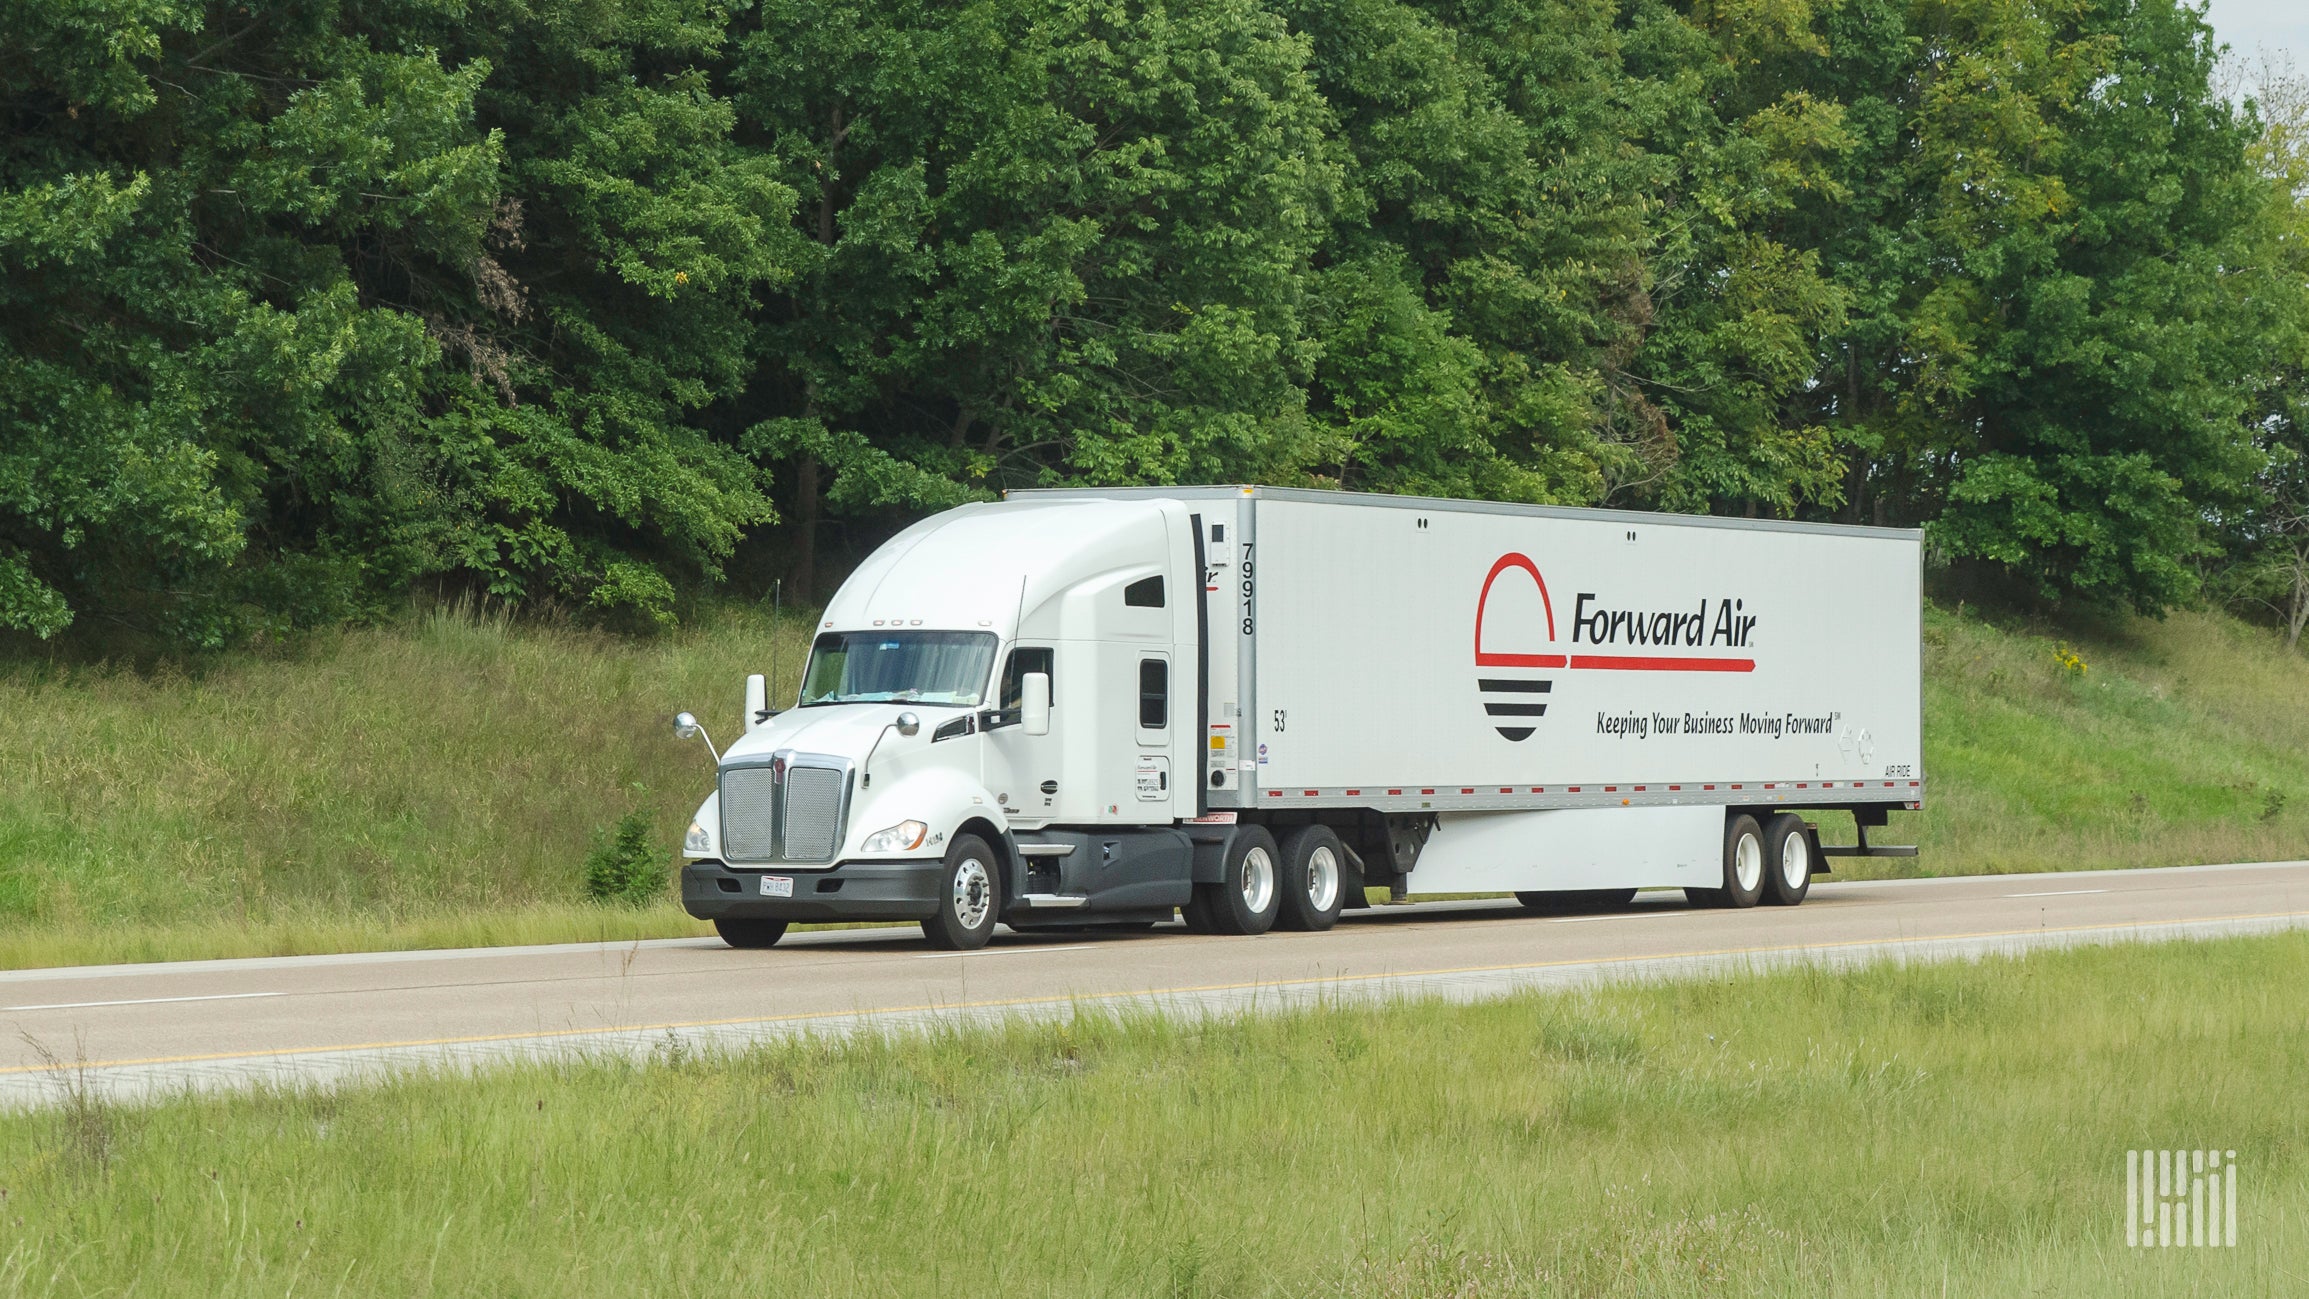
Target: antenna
{"type": "Point", "coordinates": [777, 612]}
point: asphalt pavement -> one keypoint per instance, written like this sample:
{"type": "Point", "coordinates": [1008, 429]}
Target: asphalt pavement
{"type": "Point", "coordinates": [133, 1031]}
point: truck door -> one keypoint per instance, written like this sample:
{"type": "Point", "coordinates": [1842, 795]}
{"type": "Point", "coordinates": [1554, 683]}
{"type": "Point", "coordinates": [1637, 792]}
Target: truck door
{"type": "Point", "coordinates": [1022, 769]}
{"type": "Point", "coordinates": [1155, 702]}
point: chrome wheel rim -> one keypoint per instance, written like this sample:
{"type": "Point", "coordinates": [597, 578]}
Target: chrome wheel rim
{"type": "Point", "coordinates": [1748, 864]}
{"type": "Point", "coordinates": [973, 893]}
{"type": "Point", "coordinates": [1322, 878]}
{"type": "Point", "coordinates": [1795, 862]}
{"type": "Point", "coordinates": [1258, 881]}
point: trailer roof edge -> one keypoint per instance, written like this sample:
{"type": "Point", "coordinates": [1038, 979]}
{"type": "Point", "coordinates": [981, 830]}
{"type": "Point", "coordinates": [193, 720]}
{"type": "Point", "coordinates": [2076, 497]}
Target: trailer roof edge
{"type": "Point", "coordinates": [1237, 491]}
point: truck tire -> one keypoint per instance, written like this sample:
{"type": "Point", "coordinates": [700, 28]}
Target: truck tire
{"type": "Point", "coordinates": [1196, 915]}
{"type": "Point", "coordinates": [1788, 859]}
{"type": "Point", "coordinates": [1244, 900]}
{"type": "Point", "coordinates": [751, 933]}
{"type": "Point", "coordinates": [969, 899]}
{"type": "Point", "coordinates": [1743, 867]}
{"type": "Point", "coordinates": [1314, 882]}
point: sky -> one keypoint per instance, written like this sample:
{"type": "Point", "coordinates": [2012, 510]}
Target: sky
{"type": "Point", "coordinates": [2282, 26]}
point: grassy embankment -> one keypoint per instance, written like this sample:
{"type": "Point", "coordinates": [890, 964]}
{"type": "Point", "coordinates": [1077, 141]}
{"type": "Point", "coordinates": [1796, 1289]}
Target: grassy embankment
{"type": "Point", "coordinates": [1943, 1129]}
{"type": "Point", "coordinates": [427, 785]}
{"type": "Point", "coordinates": [436, 783]}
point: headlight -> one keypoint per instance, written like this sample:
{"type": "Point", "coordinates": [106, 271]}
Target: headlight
{"type": "Point", "coordinates": [905, 836]}
{"type": "Point", "coordinates": [697, 840]}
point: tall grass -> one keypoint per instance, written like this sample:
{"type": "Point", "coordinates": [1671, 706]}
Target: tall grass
{"type": "Point", "coordinates": [454, 767]}
{"type": "Point", "coordinates": [441, 781]}
{"type": "Point", "coordinates": [2180, 741]}
{"type": "Point", "coordinates": [1950, 1129]}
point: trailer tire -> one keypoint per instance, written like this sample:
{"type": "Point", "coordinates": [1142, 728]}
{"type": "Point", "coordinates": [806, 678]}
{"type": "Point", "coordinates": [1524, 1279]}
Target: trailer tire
{"type": "Point", "coordinates": [1743, 867]}
{"type": "Point", "coordinates": [1314, 880]}
{"type": "Point", "coordinates": [1787, 849]}
{"type": "Point", "coordinates": [1244, 900]}
{"type": "Point", "coordinates": [969, 897]}
{"type": "Point", "coordinates": [750, 933]}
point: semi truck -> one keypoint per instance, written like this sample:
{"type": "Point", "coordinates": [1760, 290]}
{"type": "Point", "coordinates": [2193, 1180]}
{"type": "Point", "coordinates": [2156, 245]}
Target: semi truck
{"type": "Point", "coordinates": [1247, 706]}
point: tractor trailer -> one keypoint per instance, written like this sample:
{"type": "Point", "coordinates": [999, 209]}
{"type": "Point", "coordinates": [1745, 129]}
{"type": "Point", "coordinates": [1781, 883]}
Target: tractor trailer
{"type": "Point", "coordinates": [1248, 705]}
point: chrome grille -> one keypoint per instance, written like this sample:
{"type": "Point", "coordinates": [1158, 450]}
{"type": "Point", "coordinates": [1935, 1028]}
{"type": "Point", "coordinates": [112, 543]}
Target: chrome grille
{"type": "Point", "coordinates": [749, 814]}
{"type": "Point", "coordinates": [813, 812]}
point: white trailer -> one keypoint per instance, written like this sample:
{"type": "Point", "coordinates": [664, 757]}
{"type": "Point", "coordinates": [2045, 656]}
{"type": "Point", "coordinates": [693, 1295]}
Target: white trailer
{"type": "Point", "coordinates": [1248, 704]}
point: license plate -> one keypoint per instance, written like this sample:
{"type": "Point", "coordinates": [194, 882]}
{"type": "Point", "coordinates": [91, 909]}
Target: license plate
{"type": "Point", "coordinates": [777, 886]}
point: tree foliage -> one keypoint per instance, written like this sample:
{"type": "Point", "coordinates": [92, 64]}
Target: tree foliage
{"type": "Point", "coordinates": [307, 302]}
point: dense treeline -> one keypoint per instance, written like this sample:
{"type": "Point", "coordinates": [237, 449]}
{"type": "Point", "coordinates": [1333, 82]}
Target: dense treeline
{"type": "Point", "coordinates": [304, 302]}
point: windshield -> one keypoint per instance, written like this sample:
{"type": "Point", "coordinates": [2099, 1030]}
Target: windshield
{"type": "Point", "coordinates": [912, 667]}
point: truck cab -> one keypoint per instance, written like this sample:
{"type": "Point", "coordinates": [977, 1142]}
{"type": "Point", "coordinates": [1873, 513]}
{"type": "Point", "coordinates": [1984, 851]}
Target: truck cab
{"type": "Point", "coordinates": [998, 720]}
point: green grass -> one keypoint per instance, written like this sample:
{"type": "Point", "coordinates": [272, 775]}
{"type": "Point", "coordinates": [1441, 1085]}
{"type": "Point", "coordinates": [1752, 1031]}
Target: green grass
{"type": "Point", "coordinates": [434, 782]}
{"type": "Point", "coordinates": [1949, 1129]}
{"type": "Point", "coordinates": [2182, 741]}
{"type": "Point", "coordinates": [438, 782]}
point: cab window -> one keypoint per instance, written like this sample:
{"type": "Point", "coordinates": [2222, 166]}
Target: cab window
{"type": "Point", "coordinates": [1024, 659]}
{"type": "Point", "coordinates": [1154, 693]}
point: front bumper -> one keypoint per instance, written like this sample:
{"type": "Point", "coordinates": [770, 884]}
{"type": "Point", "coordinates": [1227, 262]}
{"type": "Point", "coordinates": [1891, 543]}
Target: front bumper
{"type": "Point", "coordinates": [895, 890]}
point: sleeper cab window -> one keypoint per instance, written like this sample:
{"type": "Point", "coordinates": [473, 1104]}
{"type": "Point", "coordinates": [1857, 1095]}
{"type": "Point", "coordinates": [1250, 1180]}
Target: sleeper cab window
{"type": "Point", "coordinates": [1145, 593]}
{"type": "Point", "coordinates": [1154, 694]}
{"type": "Point", "coordinates": [1024, 659]}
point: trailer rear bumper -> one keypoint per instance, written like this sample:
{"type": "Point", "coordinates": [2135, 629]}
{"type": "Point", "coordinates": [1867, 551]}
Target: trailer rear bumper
{"type": "Point", "coordinates": [903, 890]}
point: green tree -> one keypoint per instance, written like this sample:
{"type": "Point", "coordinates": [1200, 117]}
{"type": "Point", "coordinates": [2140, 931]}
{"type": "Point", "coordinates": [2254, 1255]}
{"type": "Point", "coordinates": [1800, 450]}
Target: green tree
{"type": "Point", "coordinates": [193, 390]}
{"type": "Point", "coordinates": [306, 303]}
{"type": "Point", "coordinates": [2266, 540]}
{"type": "Point", "coordinates": [1053, 241]}
{"type": "Point", "coordinates": [615, 306]}
{"type": "Point", "coordinates": [2049, 344]}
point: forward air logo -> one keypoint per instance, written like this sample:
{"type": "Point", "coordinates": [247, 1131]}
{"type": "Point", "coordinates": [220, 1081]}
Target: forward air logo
{"type": "Point", "coordinates": [1515, 641]}
{"type": "Point", "coordinates": [1508, 652]}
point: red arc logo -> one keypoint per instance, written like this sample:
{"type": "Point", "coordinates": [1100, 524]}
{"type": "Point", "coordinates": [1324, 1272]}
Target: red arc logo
{"type": "Point", "coordinates": [1514, 700]}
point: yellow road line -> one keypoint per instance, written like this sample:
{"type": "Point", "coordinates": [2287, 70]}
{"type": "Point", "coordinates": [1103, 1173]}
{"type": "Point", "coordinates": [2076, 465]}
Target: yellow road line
{"type": "Point", "coordinates": [807, 1016]}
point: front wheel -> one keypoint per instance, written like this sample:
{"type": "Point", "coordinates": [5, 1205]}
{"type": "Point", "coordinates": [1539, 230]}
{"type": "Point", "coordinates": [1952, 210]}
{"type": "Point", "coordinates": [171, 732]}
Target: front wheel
{"type": "Point", "coordinates": [968, 897]}
{"type": "Point", "coordinates": [751, 933]}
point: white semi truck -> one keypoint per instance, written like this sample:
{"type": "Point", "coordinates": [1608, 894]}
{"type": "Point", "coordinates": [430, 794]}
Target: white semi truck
{"type": "Point", "coordinates": [1248, 704]}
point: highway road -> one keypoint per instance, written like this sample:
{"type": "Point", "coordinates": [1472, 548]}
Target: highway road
{"type": "Point", "coordinates": [130, 1031]}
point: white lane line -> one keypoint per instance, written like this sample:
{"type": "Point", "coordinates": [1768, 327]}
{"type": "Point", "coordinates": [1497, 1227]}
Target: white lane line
{"type": "Point", "coordinates": [142, 1001]}
{"type": "Point", "coordinates": [2056, 893]}
{"type": "Point", "coordinates": [1005, 951]}
{"type": "Point", "coordinates": [1630, 915]}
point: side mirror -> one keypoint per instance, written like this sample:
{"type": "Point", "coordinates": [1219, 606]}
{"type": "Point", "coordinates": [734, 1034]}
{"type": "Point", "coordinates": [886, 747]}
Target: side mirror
{"type": "Point", "coordinates": [908, 724]}
{"type": "Point", "coordinates": [685, 727]}
{"type": "Point", "coordinates": [1034, 703]}
{"type": "Point", "coordinates": [757, 701]}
